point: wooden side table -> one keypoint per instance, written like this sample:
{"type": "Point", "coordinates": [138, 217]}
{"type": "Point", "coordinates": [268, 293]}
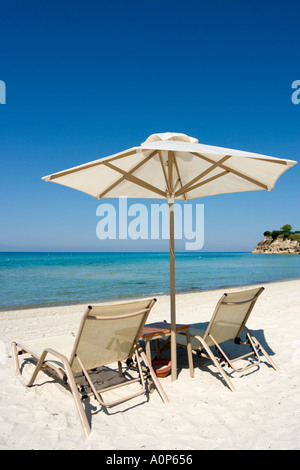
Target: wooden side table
{"type": "Point", "coordinates": [162, 330]}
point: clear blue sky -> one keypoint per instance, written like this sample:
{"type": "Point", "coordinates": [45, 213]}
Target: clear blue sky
{"type": "Point", "coordinates": [85, 79]}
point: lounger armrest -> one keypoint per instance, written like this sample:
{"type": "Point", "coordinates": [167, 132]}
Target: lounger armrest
{"type": "Point", "coordinates": [41, 360]}
{"type": "Point", "coordinates": [55, 353]}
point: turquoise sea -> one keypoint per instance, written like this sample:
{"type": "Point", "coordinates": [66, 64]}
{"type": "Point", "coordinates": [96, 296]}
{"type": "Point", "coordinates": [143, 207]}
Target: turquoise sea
{"type": "Point", "coordinates": [45, 279]}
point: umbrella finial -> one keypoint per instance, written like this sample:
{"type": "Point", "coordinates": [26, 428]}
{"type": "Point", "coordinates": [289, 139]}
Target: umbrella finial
{"type": "Point", "coordinates": [175, 136]}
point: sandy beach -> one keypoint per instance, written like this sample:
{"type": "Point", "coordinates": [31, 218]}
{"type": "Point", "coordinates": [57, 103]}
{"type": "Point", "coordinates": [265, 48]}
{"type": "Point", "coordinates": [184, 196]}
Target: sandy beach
{"type": "Point", "coordinates": [202, 413]}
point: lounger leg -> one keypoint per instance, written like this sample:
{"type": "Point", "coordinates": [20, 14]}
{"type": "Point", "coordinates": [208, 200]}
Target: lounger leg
{"type": "Point", "coordinates": [148, 349]}
{"type": "Point", "coordinates": [37, 368]}
{"type": "Point", "coordinates": [15, 358]}
{"type": "Point", "coordinates": [120, 369]}
{"type": "Point", "coordinates": [78, 403]}
{"type": "Point", "coordinates": [72, 384]}
{"type": "Point", "coordinates": [267, 357]}
{"type": "Point", "coordinates": [260, 348]}
{"type": "Point", "coordinates": [153, 375]}
{"type": "Point", "coordinates": [216, 363]}
{"type": "Point", "coordinates": [189, 352]}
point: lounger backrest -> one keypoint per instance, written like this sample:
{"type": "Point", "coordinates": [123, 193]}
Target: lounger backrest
{"type": "Point", "coordinates": [231, 315]}
{"type": "Point", "coordinates": [107, 333]}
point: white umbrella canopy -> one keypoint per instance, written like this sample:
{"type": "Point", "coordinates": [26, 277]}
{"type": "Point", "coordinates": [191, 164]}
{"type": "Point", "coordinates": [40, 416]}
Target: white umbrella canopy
{"type": "Point", "coordinates": [174, 166]}
{"type": "Point", "coordinates": [198, 170]}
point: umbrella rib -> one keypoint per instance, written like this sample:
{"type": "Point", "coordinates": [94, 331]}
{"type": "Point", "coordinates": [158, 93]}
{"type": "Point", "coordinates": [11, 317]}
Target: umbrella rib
{"type": "Point", "coordinates": [270, 160]}
{"type": "Point", "coordinates": [235, 172]}
{"type": "Point", "coordinates": [188, 186]}
{"type": "Point", "coordinates": [176, 185]}
{"type": "Point", "coordinates": [164, 172]}
{"type": "Point", "coordinates": [223, 173]}
{"type": "Point", "coordinates": [136, 167]}
{"type": "Point", "coordinates": [122, 154]}
{"type": "Point", "coordinates": [88, 165]}
{"type": "Point", "coordinates": [135, 180]}
{"type": "Point", "coordinates": [170, 171]}
{"type": "Point", "coordinates": [179, 177]}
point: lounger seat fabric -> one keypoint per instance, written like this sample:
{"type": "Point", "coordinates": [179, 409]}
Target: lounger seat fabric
{"type": "Point", "coordinates": [63, 343]}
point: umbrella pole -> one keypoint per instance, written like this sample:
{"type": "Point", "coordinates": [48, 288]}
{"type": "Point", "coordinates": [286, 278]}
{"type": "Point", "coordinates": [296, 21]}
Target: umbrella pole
{"type": "Point", "coordinates": [172, 295]}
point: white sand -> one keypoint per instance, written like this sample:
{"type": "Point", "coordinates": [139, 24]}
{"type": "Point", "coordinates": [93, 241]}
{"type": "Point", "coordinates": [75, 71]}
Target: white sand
{"type": "Point", "coordinates": [264, 412]}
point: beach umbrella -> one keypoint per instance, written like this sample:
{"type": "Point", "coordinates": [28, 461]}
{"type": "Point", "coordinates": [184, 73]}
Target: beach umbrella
{"type": "Point", "coordinates": [173, 166]}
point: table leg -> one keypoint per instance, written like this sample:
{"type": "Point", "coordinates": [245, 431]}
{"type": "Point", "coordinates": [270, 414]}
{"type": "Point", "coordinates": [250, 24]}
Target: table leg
{"type": "Point", "coordinates": [157, 349]}
{"type": "Point", "coordinates": [148, 349]}
{"type": "Point", "coordinates": [189, 352]}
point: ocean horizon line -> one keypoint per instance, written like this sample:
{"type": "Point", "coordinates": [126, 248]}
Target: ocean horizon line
{"type": "Point", "coordinates": [125, 252]}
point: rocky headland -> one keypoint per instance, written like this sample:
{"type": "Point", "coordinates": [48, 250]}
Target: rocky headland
{"type": "Point", "coordinates": [277, 242]}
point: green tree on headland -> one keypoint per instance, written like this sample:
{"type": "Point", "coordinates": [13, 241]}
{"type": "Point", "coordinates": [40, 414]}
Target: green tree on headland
{"type": "Point", "coordinates": [286, 228]}
{"type": "Point", "coordinates": [285, 232]}
{"type": "Point", "coordinates": [276, 234]}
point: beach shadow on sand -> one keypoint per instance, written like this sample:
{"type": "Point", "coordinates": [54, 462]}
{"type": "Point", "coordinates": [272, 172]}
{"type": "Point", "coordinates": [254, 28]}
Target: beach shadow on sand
{"type": "Point", "coordinates": [258, 334]}
{"type": "Point", "coordinates": [102, 377]}
{"type": "Point", "coordinates": [231, 349]}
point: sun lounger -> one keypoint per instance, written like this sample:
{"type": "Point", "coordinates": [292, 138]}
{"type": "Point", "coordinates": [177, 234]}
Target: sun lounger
{"type": "Point", "coordinates": [227, 324]}
{"type": "Point", "coordinates": [108, 334]}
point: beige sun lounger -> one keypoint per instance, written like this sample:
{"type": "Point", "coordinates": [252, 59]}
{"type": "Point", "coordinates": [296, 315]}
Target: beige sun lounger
{"type": "Point", "coordinates": [108, 334]}
{"type": "Point", "coordinates": [227, 324]}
